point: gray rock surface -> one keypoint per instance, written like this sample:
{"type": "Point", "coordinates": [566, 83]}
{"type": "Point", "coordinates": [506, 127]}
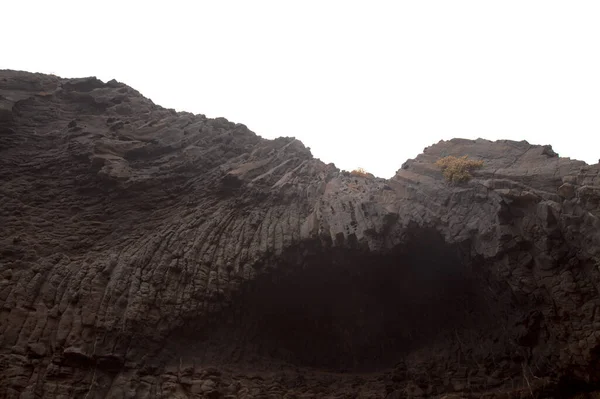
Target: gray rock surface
{"type": "Point", "coordinates": [146, 253]}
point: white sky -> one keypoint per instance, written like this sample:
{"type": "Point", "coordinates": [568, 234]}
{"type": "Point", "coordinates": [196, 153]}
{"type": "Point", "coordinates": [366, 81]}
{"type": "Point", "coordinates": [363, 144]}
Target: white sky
{"type": "Point", "coordinates": [367, 83]}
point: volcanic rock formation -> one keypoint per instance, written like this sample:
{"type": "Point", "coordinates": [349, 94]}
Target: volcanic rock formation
{"type": "Point", "coordinates": [146, 253]}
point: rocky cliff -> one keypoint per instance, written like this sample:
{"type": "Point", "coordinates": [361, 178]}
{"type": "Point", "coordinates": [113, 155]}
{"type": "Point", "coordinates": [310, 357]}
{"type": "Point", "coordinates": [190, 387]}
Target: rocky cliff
{"type": "Point", "coordinates": [146, 253]}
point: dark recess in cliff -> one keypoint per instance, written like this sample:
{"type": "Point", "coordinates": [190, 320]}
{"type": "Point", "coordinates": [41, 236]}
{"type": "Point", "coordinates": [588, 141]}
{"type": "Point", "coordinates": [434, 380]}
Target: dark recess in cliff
{"type": "Point", "coordinates": [348, 310]}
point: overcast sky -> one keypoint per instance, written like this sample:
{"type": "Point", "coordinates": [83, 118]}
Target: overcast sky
{"type": "Point", "coordinates": [366, 84]}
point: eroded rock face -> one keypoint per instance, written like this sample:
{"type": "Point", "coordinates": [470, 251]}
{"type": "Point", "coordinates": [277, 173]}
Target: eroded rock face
{"type": "Point", "coordinates": [149, 253]}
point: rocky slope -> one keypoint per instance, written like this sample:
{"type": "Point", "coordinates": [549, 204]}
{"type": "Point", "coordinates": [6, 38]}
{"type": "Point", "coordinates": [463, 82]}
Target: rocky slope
{"type": "Point", "coordinates": [146, 253]}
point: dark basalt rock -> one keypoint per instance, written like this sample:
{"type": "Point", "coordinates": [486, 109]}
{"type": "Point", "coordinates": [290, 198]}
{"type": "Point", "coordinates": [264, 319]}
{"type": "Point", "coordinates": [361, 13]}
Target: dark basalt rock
{"type": "Point", "coordinates": [148, 253]}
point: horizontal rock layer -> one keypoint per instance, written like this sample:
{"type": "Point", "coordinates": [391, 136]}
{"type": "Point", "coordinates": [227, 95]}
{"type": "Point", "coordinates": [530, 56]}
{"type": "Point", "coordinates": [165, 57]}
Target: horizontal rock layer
{"type": "Point", "coordinates": [150, 253]}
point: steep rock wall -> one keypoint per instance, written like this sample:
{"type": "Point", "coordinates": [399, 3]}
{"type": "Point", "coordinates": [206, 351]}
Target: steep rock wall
{"type": "Point", "coordinates": [149, 253]}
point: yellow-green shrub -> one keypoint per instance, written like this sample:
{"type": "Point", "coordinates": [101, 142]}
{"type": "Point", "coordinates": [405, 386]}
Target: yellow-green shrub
{"type": "Point", "coordinates": [457, 170]}
{"type": "Point", "coordinates": [359, 172]}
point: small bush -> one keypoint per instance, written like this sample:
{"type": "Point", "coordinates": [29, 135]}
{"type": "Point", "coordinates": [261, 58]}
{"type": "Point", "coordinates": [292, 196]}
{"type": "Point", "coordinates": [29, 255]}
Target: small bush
{"type": "Point", "coordinates": [360, 172]}
{"type": "Point", "coordinates": [457, 170]}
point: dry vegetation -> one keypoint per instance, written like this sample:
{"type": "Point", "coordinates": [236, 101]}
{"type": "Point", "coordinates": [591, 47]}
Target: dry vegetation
{"type": "Point", "coordinates": [360, 172]}
{"type": "Point", "coordinates": [457, 170]}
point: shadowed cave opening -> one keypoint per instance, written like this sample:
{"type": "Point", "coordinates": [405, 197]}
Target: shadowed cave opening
{"type": "Point", "coordinates": [348, 310]}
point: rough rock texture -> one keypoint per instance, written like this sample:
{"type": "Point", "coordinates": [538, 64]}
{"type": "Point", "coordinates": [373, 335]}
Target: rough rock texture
{"type": "Point", "coordinates": [146, 253]}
